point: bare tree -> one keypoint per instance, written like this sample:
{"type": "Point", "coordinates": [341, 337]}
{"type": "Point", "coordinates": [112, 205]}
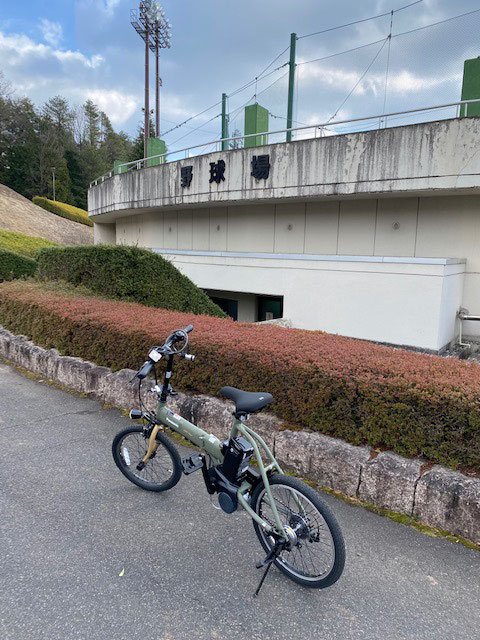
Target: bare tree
{"type": "Point", "coordinates": [6, 88]}
{"type": "Point", "coordinates": [79, 123]}
{"type": "Point", "coordinates": [236, 144]}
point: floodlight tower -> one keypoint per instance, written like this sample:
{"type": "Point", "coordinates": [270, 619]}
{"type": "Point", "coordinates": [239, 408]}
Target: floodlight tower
{"type": "Point", "coordinates": [152, 26]}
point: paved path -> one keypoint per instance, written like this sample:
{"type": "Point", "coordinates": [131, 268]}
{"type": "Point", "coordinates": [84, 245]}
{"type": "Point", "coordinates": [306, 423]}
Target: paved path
{"type": "Point", "coordinates": [69, 523]}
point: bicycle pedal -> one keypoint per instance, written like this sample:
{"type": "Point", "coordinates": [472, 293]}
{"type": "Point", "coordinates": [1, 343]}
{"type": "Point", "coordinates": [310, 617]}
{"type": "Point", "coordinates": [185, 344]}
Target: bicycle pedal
{"type": "Point", "coordinates": [192, 463]}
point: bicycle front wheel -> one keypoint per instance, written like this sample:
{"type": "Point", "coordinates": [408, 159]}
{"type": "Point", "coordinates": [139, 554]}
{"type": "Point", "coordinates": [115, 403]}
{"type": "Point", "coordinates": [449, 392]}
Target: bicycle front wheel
{"type": "Point", "coordinates": [162, 471]}
{"type": "Point", "coordinates": [315, 555]}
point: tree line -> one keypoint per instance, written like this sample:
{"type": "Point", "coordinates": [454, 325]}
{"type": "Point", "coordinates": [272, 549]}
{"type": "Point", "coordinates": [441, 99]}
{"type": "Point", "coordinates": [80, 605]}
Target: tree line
{"type": "Point", "coordinates": [78, 141]}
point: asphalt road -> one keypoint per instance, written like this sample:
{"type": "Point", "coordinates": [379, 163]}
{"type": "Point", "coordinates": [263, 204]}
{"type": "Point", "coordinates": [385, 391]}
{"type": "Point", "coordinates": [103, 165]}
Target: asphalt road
{"type": "Point", "coordinates": [70, 522]}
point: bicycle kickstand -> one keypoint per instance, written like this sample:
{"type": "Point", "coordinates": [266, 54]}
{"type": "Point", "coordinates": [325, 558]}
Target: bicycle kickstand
{"type": "Point", "coordinates": [270, 558]}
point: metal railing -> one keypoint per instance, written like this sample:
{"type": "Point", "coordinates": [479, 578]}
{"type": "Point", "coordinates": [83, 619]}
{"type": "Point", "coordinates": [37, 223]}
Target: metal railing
{"type": "Point", "coordinates": [322, 129]}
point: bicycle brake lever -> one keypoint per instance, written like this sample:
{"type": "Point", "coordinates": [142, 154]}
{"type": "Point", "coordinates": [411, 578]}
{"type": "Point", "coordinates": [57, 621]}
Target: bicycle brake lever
{"type": "Point", "coordinates": [158, 390]}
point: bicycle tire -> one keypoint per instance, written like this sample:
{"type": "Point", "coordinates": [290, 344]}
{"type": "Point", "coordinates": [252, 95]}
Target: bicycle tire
{"type": "Point", "coordinates": [305, 525]}
{"type": "Point", "coordinates": [161, 472]}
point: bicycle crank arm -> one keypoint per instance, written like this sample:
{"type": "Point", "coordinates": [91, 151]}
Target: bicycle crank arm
{"type": "Point", "coordinates": [152, 447]}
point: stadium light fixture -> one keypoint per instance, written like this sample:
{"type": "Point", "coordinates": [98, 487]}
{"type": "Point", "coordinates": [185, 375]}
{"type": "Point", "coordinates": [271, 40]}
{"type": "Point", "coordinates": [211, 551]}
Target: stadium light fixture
{"type": "Point", "coordinates": [151, 24]}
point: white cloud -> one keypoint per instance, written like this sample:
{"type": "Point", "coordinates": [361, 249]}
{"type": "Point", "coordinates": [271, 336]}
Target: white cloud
{"type": "Point", "coordinates": [402, 82]}
{"type": "Point", "coordinates": [102, 8]}
{"type": "Point", "coordinates": [111, 4]}
{"type": "Point", "coordinates": [17, 49]}
{"type": "Point", "coordinates": [52, 32]}
{"type": "Point", "coordinates": [330, 76]}
{"type": "Point", "coordinates": [173, 106]}
{"type": "Point", "coordinates": [118, 106]}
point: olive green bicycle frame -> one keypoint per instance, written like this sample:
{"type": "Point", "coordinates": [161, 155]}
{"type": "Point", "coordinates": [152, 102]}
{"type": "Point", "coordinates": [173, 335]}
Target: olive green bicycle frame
{"type": "Point", "coordinates": [212, 446]}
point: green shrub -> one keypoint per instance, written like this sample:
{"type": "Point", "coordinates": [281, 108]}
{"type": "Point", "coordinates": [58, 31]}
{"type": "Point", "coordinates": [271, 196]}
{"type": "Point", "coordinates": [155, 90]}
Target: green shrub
{"type": "Point", "coordinates": [23, 244]}
{"type": "Point", "coordinates": [411, 403]}
{"type": "Point", "coordinates": [64, 210]}
{"type": "Point", "coordinates": [12, 265]}
{"type": "Point", "coordinates": [126, 273]}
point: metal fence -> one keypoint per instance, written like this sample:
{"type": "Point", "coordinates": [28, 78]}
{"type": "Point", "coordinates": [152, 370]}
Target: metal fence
{"type": "Point", "coordinates": [386, 65]}
{"type": "Point", "coordinates": [319, 130]}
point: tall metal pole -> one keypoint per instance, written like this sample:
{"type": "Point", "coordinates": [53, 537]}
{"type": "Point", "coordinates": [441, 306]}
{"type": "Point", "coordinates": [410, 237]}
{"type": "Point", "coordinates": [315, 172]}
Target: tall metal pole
{"type": "Point", "coordinates": [157, 82]}
{"type": "Point", "coordinates": [291, 84]}
{"type": "Point", "coordinates": [146, 127]}
{"type": "Point", "coordinates": [224, 122]}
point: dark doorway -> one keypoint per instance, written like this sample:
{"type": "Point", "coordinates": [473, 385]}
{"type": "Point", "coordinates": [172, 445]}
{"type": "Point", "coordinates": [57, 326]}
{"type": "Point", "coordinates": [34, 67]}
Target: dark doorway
{"type": "Point", "coordinates": [229, 306]}
{"type": "Point", "coordinates": [269, 308]}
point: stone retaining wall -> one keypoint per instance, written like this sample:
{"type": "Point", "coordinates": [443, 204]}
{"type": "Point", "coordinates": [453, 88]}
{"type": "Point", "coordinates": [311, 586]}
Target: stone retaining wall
{"type": "Point", "coordinates": [439, 497]}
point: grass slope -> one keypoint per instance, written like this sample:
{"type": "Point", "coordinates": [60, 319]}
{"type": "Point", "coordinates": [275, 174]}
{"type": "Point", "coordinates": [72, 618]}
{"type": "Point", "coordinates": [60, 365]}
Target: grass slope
{"type": "Point", "coordinates": [22, 244]}
{"type": "Point", "coordinates": [64, 210]}
{"type": "Point", "coordinates": [20, 215]}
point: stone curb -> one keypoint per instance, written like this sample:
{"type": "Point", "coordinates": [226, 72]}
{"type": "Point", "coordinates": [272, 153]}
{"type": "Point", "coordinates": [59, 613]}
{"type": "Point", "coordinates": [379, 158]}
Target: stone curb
{"type": "Point", "coordinates": [439, 497]}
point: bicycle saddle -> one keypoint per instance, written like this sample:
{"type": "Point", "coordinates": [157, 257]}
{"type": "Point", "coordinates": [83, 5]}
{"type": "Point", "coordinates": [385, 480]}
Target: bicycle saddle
{"type": "Point", "coordinates": [246, 401]}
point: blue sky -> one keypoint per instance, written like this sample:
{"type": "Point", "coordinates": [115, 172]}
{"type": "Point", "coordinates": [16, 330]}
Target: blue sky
{"type": "Point", "coordinates": [87, 48]}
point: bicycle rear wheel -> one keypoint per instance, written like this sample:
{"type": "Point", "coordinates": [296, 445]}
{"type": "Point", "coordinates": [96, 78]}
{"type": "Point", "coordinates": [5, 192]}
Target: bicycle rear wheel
{"type": "Point", "coordinates": [315, 556]}
{"type": "Point", "coordinates": [162, 471]}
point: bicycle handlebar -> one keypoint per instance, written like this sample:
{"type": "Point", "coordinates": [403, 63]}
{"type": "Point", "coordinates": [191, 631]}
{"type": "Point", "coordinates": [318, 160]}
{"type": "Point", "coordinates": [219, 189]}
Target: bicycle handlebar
{"type": "Point", "coordinates": [166, 349]}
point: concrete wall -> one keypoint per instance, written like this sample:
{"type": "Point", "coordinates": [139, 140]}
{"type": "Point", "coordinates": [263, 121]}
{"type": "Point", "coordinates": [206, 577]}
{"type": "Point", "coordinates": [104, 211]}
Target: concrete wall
{"type": "Point", "coordinates": [403, 301]}
{"type": "Point", "coordinates": [431, 227]}
{"type": "Point", "coordinates": [104, 233]}
{"type": "Point", "coordinates": [403, 160]}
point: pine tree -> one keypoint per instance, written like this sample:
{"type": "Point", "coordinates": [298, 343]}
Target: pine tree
{"type": "Point", "coordinates": [57, 112]}
{"type": "Point", "coordinates": [78, 179]}
{"type": "Point", "coordinates": [92, 123]}
{"type": "Point", "coordinates": [80, 143]}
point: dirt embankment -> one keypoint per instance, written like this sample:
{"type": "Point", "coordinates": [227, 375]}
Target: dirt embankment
{"type": "Point", "coordinates": [19, 214]}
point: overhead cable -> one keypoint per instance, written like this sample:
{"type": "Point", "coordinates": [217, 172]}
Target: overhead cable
{"type": "Point", "coordinates": [349, 24]}
{"type": "Point", "coordinates": [274, 82]}
{"type": "Point", "coordinates": [190, 132]}
{"type": "Point", "coordinates": [387, 39]}
{"type": "Point", "coordinates": [397, 35]}
{"type": "Point", "coordinates": [234, 92]}
{"type": "Point", "coordinates": [333, 55]}
{"type": "Point", "coordinates": [164, 133]}
{"type": "Point", "coordinates": [255, 80]}
{"type": "Point", "coordinates": [434, 24]}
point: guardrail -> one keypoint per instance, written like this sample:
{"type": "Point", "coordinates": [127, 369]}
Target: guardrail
{"type": "Point", "coordinates": [322, 129]}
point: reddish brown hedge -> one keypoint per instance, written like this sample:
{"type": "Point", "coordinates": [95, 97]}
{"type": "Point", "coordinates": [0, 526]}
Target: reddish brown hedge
{"type": "Point", "coordinates": [412, 403]}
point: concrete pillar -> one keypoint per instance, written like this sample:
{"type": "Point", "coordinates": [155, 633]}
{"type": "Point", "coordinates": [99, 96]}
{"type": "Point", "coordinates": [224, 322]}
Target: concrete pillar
{"type": "Point", "coordinates": [104, 233]}
{"type": "Point", "coordinates": [156, 147]}
{"type": "Point", "coordinates": [471, 87]}
{"type": "Point", "coordinates": [256, 121]}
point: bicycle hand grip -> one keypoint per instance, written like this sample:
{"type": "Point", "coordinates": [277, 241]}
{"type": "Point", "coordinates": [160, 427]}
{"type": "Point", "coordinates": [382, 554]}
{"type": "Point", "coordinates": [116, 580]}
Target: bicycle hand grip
{"type": "Point", "coordinates": [145, 370]}
{"type": "Point", "coordinates": [188, 328]}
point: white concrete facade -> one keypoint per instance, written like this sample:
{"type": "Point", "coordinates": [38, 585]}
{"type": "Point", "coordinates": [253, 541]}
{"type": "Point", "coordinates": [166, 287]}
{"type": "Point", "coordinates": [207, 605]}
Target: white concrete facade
{"type": "Point", "coordinates": [406, 302]}
{"type": "Point", "coordinates": [372, 235]}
